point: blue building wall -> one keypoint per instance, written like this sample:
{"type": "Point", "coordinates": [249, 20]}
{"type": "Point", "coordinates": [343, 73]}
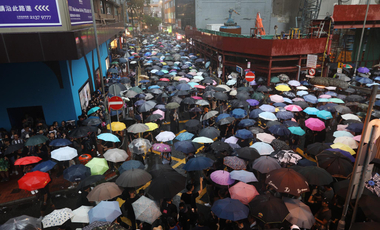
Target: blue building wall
{"type": "Point", "coordinates": [36, 84]}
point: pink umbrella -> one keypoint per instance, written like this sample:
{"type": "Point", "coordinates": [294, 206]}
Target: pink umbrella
{"type": "Point", "coordinates": [325, 96]}
{"type": "Point", "coordinates": [315, 124]}
{"type": "Point", "coordinates": [243, 192]}
{"type": "Point", "coordinates": [293, 108]}
{"type": "Point", "coordinates": [342, 127]}
{"type": "Point", "coordinates": [161, 147]}
{"type": "Point", "coordinates": [265, 137]}
{"type": "Point", "coordinates": [160, 112]}
{"type": "Point", "coordinates": [200, 86]}
{"type": "Point", "coordinates": [193, 73]}
{"type": "Point", "coordinates": [298, 99]}
{"type": "Point", "coordinates": [221, 177]}
{"type": "Point", "coordinates": [197, 97]}
{"type": "Point", "coordinates": [184, 79]}
{"type": "Point", "coordinates": [164, 79]}
{"type": "Point", "coordinates": [358, 138]}
{"type": "Point", "coordinates": [231, 140]}
{"type": "Point", "coordinates": [276, 98]}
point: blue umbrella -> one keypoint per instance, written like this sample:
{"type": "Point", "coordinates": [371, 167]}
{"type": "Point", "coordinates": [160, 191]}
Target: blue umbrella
{"type": "Point", "coordinates": [355, 127]}
{"type": "Point", "coordinates": [345, 153]}
{"type": "Point", "coordinates": [108, 137]}
{"type": "Point", "coordinates": [302, 93]}
{"type": "Point", "coordinates": [238, 113]}
{"type": "Point", "coordinates": [268, 108]}
{"type": "Point", "coordinates": [230, 209]}
{"type": "Point", "coordinates": [284, 115]}
{"type": "Point", "coordinates": [311, 98]}
{"type": "Point", "coordinates": [160, 73]}
{"type": "Point", "coordinates": [279, 104]}
{"type": "Point", "coordinates": [184, 136]}
{"type": "Point", "coordinates": [365, 80]}
{"type": "Point", "coordinates": [93, 110]}
{"type": "Point", "coordinates": [279, 130]}
{"type": "Point", "coordinates": [154, 87]}
{"type": "Point", "coordinates": [139, 102]}
{"type": "Point", "coordinates": [291, 123]}
{"type": "Point", "coordinates": [331, 93]}
{"type": "Point", "coordinates": [144, 81]}
{"type": "Point", "coordinates": [255, 113]}
{"type": "Point", "coordinates": [185, 147]}
{"type": "Point", "coordinates": [244, 134]}
{"type": "Point", "coordinates": [246, 123]}
{"type": "Point", "coordinates": [325, 115]}
{"type": "Point", "coordinates": [131, 164]}
{"type": "Point", "coordinates": [76, 173]}
{"type": "Point", "coordinates": [297, 131]}
{"type": "Point", "coordinates": [60, 142]}
{"type": "Point", "coordinates": [44, 166]}
{"type": "Point", "coordinates": [311, 111]}
{"type": "Point", "coordinates": [183, 86]}
{"type": "Point", "coordinates": [377, 103]}
{"type": "Point", "coordinates": [288, 100]}
{"type": "Point", "coordinates": [105, 211]}
{"type": "Point", "coordinates": [198, 163]}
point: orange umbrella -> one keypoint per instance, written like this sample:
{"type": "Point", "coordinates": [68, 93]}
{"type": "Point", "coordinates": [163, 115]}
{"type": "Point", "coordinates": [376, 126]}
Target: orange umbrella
{"type": "Point", "coordinates": [259, 25]}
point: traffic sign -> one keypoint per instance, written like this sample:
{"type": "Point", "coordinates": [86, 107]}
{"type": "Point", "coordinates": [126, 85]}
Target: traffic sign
{"type": "Point", "coordinates": [115, 103]}
{"type": "Point", "coordinates": [239, 69]}
{"type": "Point", "coordinates": [250, 76]}
{"type": "Point", "coordinates": [312, 72]}
{"type": "Point", "coordinates": [311, 61]}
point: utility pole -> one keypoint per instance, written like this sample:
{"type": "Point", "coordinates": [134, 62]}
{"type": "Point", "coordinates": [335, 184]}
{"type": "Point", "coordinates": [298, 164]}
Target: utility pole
{"type": "Point", "coordinates": [358, 55]}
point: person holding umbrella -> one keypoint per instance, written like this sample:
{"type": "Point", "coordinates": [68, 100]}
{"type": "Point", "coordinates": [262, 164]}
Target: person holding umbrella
{"type": "Point", "coordinates": [174, 121]}
{"type": "Point", "coordinates": [190, 196]}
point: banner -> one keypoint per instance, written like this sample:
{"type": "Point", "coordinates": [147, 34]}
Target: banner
{"type": "Point", "coordinates": [29, 13]}
{"type": "Point", "coordinates": [80, 12]}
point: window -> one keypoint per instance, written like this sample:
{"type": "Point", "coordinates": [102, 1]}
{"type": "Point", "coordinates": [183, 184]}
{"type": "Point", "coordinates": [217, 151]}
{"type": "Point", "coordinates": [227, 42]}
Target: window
{"type": "Point", "coordinates": [109, 11]}
{"type": "Point", "coordinates": [102, 7]}
{"type": "Point", "coordinates": [115, 10]}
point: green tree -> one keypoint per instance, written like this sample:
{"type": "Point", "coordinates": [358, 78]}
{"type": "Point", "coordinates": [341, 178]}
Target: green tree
{"type": "Point", "coordinates": [152, 22]}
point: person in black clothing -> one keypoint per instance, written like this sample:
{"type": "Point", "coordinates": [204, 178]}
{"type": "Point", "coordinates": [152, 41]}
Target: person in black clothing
{"type": "Point", "coordinates": [128, 208]}
{"type": "Point", "coordinates": [82, 198]}
{"type": "Point", "coordinates": [168, 209]}
{"type": "Point", "coordinates": [44, 197]}
{"type": "Point", "coordinates": [190, 196]}
{"type": "Point", "coordinates": [201, 223]}
{"type": "Point", "coordinates": [186, 216]}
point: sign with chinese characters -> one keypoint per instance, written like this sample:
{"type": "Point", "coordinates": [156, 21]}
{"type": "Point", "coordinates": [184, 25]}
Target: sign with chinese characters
{"type": "Point", "coordinates": [29, 13]}
{"type": "Point", "coordinates": [80, 12]}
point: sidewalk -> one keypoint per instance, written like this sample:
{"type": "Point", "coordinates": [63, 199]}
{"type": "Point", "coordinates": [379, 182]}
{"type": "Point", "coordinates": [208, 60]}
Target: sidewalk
{"type": "Point", "coordinates": [10, 193]}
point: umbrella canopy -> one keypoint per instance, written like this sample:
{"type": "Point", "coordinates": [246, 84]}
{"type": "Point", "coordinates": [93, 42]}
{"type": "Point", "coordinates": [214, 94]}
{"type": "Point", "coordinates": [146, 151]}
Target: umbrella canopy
{"type": "Point", "coordinates": [335, 163]}
{"type": "Point", "coordinates": [315, 124]}
{"type": "Point", "coordinates": [140, 146]}
{"type": "Point", "coordinates": [349, 141]}
{"type": "Point", "coordinates": [146, 210]}
{"type": "Point", "coordinates": [57, 217]}
{"type": "Point", "coordinates": [243, 176]}
{"type": "Point", "coordinates": [268, 209]}
{"type": "Point", "coordinates": [230, 209]}
{"type": "Point", "coordinates": [27, 160]}
{"type": "Point", "coordinates": [220, 146]}
{"type": "Point", "coordinates": [300, 213]}
{"type": "Point", "coordinates": [286, 180]}
{"type": "Point", "coordinates": [369, 205]}
{"type": "Point", "coordinates": [262, 148]}
{"type": "Point", "coordinates": [131, 164]}
{"type": "Point", "coordinates": [60, 142]}
{"type": "Point", "coordinates": [193, 125]}
{"type": "Point", "coordinates": [161, 148]}
{"type": "Point", "coordinates": [76, 173]}
{"type": "Point", "coordinates": [234, 162]}
{"type": "Point", "coordinates": [210, 132]}
{"type": "Point", "coordinates": [133, 178]}
{"type": "Point", "coordinates": [243, 192]}
{"type": "Point", "coordinates": [21, 222]}
{"type": "Point", "coordinates": [238, 113]}
{"type": "Point", "coordinates": [267, 116]}
{"type": "Point", "coordinates": [33, 181]}
{"type": "Point", "coordinates": [279, 130]}
{"type": "Point", "coordinates": [81, 131]}
{"type": "Point", "coordinates": [265, 137]}
{"type": "Point", "coordinates": [64, 153]}
{"type": "Point", "coordinates": [317, 147]}
{"type": "Point", "coordinates": [138, 128]}
{"type": "Point", "coordinates": [184, 136]}
{"type": "Point", "coordinates": [343, 147]}
{"type": "Point", "coordinates": [166, 185]}
{"type": "Point", "coordinates": [105, 211]}
{"type": "Point", "coordinates": [185, 147]}
{"type": "Point", "coordinates": [198, 163]}
{"type": "Point", "coordinates": [116, 155]}
{"type": "Point", "coordinates": [165, 136]}
{"type": "Point", "coordinates": [210, 114]}
{"type": "Point", "coordinates": [44, 166]}
{"type": "Point", "coordinates": [91, 180]}
{"type": "Point", "coordinates": [36, 140]}
{"type": "Point", "coordinates": [297, 131]}
{"type": "Point", "coordinates": [247, 153]}
{"type": "Point", "coordinates": [221, 177]}
{"type": "Point", "coordinates": [98, 166]}
{"type": "Point", "coordinates": [244, 134]}
{"type": "Point", "coordinates": [80, 215]}
{"type": "Point", "coordinates": [104, 191]}
{"type": "Point", "coordinates": [265, 164]}
{"type": "Point", "coordinates": [108, 137]}
{"type": "Point", "coordinates": [316, 176]}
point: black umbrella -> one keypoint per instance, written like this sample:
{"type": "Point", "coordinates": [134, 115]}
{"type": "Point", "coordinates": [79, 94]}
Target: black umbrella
{"type": "Point", "coordinates": [220, 146]}
{"type": "Point", "coordinates": [182, 93]}
{"type": "Point", "coordinates": [279, 130]}
{"type": "Point", "coordinates": [221, 96]}
{"type": "Point", "coordinates": [244, 89]}
{"type": "Point", "coordinates": [209, 132]}
{"type": "Point", "coordinates": [188, 101]}
{"type": "Point", "coordinates": [82, 131]}
{"type": "Point", "coordinates": [263, 88]}
{"type": "Point", "coordinates": [302, 104]}
{"type": "Point", "coordinates": [365, 225]}
{"type": "Point", "coordinates": [92, 121]}
{"type": "Point", "coordinates": [243, 95]}
{"type": "Point", "coordinates": [279, 145]}
{"type": "Point", "coordinates": [13, 148]}
{"type": "Point", "coordinates": [125, 80]}
{"type": "Point", "coordinates": [133, 178]}
{"type": "Point", "coordinates": [273, 123]}
{"type": "Point", "coordinates": [147, 106]}
{"type": "Point", "coordinates": [90, 181]}
{"type": "Point", "coordinates": [268, 208]}
{"type": "Point", "coordinates": [158, 169]}
{"type": "Point", "coordinates": [291, 123]}
{"type": "Point", "coordinates": [115, 89]}
{"type": "Point", "coordinates": [239, 104]}
{"type": "Point", "coordinates": [370, 206]}
{"type": "Point", "coordinates": [316, 176]}
{"type": "Point", "coordinates": [256, 130]}
{"type": "Point", "coordinates": [166, 185]}
{"type": "Point", "coordinates": [246, 153]}
{"type": "Point", "coordinates": [153, 117]}
{"type": "Point", "coordinates": [354, 98]}
{"type": "Point", "coordinates": [341, 188]}
{"type": "Point", "coordinates": [76, 173]}
{"type": "Point", "coordinates": [315, 148]}
{"type": "Point", "coordinates": [335, 163]}
{"type": "Point", "coordinates": [208, 94]}
{"type": "Point", "coordinates": [192, 125]}
{"type": "Point", "coordinates": [195, 110]}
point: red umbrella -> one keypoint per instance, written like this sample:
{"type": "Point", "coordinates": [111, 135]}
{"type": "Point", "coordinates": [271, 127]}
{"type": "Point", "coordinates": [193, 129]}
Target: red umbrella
{"type": "Point", "coordinates": [164, 79]}
{"type": "Point", "coordinates": [243, 192]}
{"type": "Point", "coordinates": [27, 160]}
{"type": "Point", "coordinates": [33, 181]}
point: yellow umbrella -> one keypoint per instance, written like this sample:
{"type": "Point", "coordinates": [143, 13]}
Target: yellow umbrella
{"type": "Point", "coordinates": [177, 78]}
{"type": "Point", "coordinates": [152, 126]}
{"type": "Point", "coordinates": [117, 126]}
{"type": "Point", "coordinates": [143, 76]}
{"type": "Point", "coordinates": [283, 88]}
{"type": "Point", "coordinates": [343, 147]}
{"type": "Point", "coordinates": [163, 63]}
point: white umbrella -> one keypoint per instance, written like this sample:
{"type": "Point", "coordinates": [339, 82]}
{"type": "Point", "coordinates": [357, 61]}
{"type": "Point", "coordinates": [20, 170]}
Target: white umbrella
{"type": "Point", "coordinates": [80, 215]}
{"type": "Point", "coordinates": [64, 154]}
{"type": "Point", "coordinates": [146, 210]}
{"type": "Point", "coordinates": [57, 217]}
{"type": "Point", "coordinates": [302, 88]}
{"type": "Point", "coordinates": [349, 116]}
{"type": "Point", "coordinates": [224, 87]}
{"type": "Point", "coordinates": [263, 148]}
{"type": "Point", "coordinates": [116, 155]}
{"type": "Point", "coordinates": [202, 102]}
{"type": "Point", "coordinates": [233, 93]}
{"type": "Point", "coordinates": [350, 141]}
{"type": "Point", "coordinates": [202, 140]}
{"type": "Point", "coordinates": [265, 137]}
{"type": "Point", "coordinates": [165, 136]}
{"type": "Point", "coordinates": [243, 176]}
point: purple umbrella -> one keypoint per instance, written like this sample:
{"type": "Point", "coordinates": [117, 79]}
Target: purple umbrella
{"type": "Point", "coordinates": [268, 108]}
{"type": "Point", "coordinates": [221, 177]}
{"type": "Point", "coordinates": [253, 102]}
{"type": "Point", "coordinates": [363, 70]}
{"type": "Point", "coordinates": [161, 148]}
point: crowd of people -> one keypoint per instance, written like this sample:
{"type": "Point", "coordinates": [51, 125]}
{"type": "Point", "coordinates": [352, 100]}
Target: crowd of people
{"type": "Point", "coordinates": [235, 136]}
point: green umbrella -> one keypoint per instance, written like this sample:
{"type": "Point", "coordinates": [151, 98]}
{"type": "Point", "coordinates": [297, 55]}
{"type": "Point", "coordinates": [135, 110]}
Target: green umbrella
{"type": "Point", "coordinates": [36, 140]}
{"type": "Point", "coordinates": [97, 165]}
{"type": "Point", "coordinates": [297, 131]}
{"type": "Point", "coordinates": [258, 96]}
{"type": "Point", "coordinates": [172, 105]}
{"type": "Point", "coordinates": [275, 80]}
{"type": "Point", "coordinates": [336, 100]}
{"type": "Point", "coordinates": [114, 63]}
{"type": "Point", "coordinates": [136, 89]}
{"type": "Point", "coordinates": [164, 70]}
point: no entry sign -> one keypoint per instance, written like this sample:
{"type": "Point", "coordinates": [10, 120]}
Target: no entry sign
{"type": "Point", "coordinates": [312, 72]}
{"type": "Point", "coordinates": [250, 76]}
{"type": "Point", "coordinates": [115, 103]}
